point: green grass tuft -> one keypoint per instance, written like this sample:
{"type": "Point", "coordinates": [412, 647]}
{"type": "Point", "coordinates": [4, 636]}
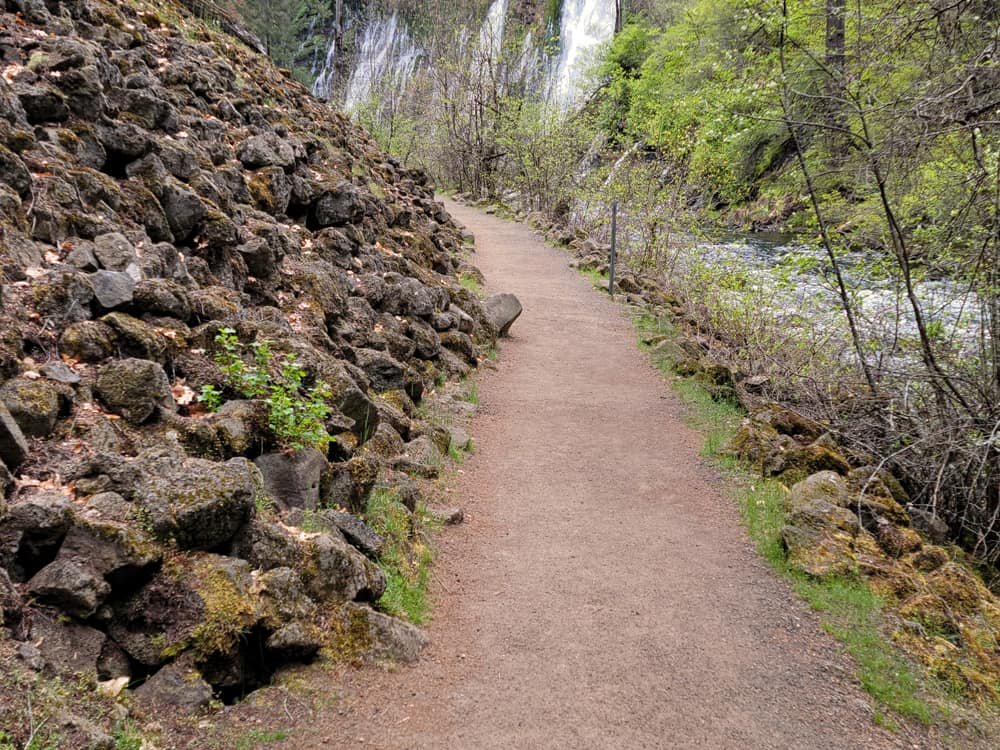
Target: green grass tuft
{"type": "Point", "coordinates": [849, 611]}
{"type": "Point", "coordinates": [405, 559]}
{"type": "Point", "coordinates": [467, 281]}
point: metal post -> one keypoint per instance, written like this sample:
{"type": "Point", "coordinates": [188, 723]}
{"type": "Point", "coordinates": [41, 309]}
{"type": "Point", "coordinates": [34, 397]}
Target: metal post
{"type": "Point", "coordinates": [614, 248]}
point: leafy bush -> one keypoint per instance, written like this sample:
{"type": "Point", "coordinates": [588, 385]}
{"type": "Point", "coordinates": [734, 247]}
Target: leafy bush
{"type": "Point", "coordinates": [296, 413]}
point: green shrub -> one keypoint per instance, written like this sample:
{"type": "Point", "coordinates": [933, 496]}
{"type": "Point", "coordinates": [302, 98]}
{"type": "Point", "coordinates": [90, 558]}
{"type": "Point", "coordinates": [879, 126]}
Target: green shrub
{"type": "Point", "coordinates": [296, 413]}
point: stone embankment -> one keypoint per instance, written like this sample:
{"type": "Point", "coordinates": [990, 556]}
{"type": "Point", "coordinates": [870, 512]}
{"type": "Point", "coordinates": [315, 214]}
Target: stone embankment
{"type": "Point", "coordinates": [178, 217]}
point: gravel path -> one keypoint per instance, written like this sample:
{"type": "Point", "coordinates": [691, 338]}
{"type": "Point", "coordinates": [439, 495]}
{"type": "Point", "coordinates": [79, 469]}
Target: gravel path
{"type": "Point", "coordinates": [602, 593]}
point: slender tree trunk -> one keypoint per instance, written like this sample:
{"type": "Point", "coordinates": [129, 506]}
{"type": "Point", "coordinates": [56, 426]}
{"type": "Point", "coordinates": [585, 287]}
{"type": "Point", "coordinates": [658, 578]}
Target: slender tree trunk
{"type": "Point", "coordinates": [836, 70]}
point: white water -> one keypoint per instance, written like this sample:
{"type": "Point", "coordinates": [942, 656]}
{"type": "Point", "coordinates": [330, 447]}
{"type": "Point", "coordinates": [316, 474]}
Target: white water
{"type": "Point", "coordinates": [491, 33]}
{"type": "Point", "coordinates": [585, 26]}
{"type": "Point", "coordinates": [386, 60]}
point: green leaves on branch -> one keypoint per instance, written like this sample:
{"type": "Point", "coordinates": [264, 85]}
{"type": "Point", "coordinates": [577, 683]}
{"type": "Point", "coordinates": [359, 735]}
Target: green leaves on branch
{"type": "Point", "coordinates": [296, 414]}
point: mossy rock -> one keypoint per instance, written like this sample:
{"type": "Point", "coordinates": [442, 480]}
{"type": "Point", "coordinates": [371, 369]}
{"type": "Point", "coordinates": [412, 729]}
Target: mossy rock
{"type": "Point", "coordinates": [819, 539]}
{"type": "Point", "coordinates": [797, 463]}
{"type": "Point", "coordinates": [134, 388]}
{"type": "Point", "coordinates": [34, 404]}
{"type": "Point", "coordinates": [136, 338]}
{"type": "Point", "coordinates": [195, 503]}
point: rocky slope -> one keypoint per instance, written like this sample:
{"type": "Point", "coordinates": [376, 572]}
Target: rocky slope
{"type": "Point", "coordinates": [176, 213]}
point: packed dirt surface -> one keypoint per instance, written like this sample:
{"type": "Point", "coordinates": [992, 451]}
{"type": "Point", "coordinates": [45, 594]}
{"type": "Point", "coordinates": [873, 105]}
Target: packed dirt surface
{"type": "Point", "coordinates": [602, 593]}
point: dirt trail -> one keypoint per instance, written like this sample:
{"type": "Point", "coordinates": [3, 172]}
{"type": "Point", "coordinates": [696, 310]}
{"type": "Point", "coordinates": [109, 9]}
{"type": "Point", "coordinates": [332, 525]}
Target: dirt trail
{"type": "Point", "coordinates": [602, 593]}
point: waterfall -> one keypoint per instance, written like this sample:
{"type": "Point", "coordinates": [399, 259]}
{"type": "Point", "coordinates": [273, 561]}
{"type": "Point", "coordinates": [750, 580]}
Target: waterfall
{"type": "Point", "coordinates": [387, 55]}
{"type": "Point", "coordinates": [585, 25]}
{"type": "Point", "coordinates": [323, 85]}
{"type": "Point", "coordinates": [491, 33]}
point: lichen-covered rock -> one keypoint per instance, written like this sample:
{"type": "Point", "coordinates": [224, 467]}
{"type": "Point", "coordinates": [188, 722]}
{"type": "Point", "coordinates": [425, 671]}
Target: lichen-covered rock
{"type": "Point", "coordinates": [819, 538]}
{"type": "Point", "coordinates": [196, 503]}
{"type": "Point", "coordinates": [333, 569]}
{"type": "Point", "coordinates": [134, 388]}
{"type": "Point", "coordinates": [31, 531]}
{"type": "Point", "coordinates": [338, 205]}
{"type": "Point", "coordinates": [363, 633]}
{"type": "Point", "coordinates": [34, 404]}
{"type": "Point", "coordinates": [178, 685]}
{"type": "Point", "coordinates": [292, 480]}
{"type": "Point", "coordinates": [87, 341]}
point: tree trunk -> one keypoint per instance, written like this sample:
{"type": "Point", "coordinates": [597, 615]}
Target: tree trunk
{"type": "Point", "coordinates": [835, 63]}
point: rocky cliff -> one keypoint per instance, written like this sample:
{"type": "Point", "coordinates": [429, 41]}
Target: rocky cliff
{"type": "Point", "coordinates": [221, 306]}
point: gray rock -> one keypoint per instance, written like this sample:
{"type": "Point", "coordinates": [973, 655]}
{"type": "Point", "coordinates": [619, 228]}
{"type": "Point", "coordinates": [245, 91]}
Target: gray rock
{"type": "Point", "coordinates": [466, 324]}
{"type": "Point", "coordinates": [31, 531]}
{"type": "Point", "coordinates": [71, 585]}
{"type": "Point", "coordinates": [34, 404]}
{"type": "Point", "coordinates": [421, 457]}
{"type": "Point", "coordinates": [11, 606]}
{"type": "Point", "coordinates": [267, 150]}
{"type": "Point", "coordinates": [384, 637]}
{"type": "Point", "coordinates": [266, 545]}
{"type": "Point", "coordinates": [177, 685]}
{"type": "Point", "coordinates": [339, 572]}
{"type": "Point", "coordinates": [134, 388]}
{"type": "Point", "coordinates": [502, 310]}
{"type": "Point", "coordinates": [355, 531]}
{"type": "Point", "coordinates": [447, 516]}
{"type": "Point", "coordinates": [59, 372]}
{"type": "Point", "coordinates": [199, 504]}
{"type": "Point", "coordinates": [67, 647]}
{"type": "Point", "coordinates": [184, 210]}
{"type": "Point", "coordinates": [13, 446]}
{"type": "Point", "coordinates": [32, 657]}
{"type": "Point", "coordinates": [82, 257]}
{"type": "Point", "coordinates": [292, 480]}
{"type": "Point", "coordinates": [14, 173]}
{"type": "Point", "coordinates": [114, 251]}
{"type": "Point", "coordinates": [338, 206]}
{"type": "Point", "coordinates": [294, 642]}
{"type": "Point", "coordinates": [112, 288]}
{"type": "Point", "coordinates": [929, 523]}
{"type": "Point", "coordinates": [347, 485]}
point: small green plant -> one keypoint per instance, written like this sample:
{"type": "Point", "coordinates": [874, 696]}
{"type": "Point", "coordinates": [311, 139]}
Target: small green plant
{"type": "Point", "coordinates": [471, 392]}
{"type": "Point", "coordinates": [405, 558]}
{"type": "Point", "coordinates": [127, 736]}
{"type": "Point", "coordinates": [296, 413]}
{"type": "Point", "coordinates": [256, 737]}
{"type": "Point", "coordinates": [467, 281]}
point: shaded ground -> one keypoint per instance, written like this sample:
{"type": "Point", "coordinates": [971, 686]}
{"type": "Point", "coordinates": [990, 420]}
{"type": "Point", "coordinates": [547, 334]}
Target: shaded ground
{"type": "Point", "coordinates": [602, 592]}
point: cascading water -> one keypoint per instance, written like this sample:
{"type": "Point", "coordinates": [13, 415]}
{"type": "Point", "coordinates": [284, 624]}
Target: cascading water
{"type": "Point", "coordinates": [387, 55]}
{"type": "Point", "coordinates": [491, 33]}
{"type": "Point", "coordinates": [386, 58]}
{"type": "Point", "coordinates": [585, 25]}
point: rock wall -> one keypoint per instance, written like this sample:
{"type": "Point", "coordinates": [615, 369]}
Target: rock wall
{"type": "Point", "coordinates": [161, 182]}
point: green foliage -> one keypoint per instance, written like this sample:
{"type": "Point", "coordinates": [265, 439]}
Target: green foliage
{"type": "Point", "coordinates": [127, 736]}
{"type": "Point", "coordinates": [292, 30]}
{"type": "Point", "coordinates": [296, 413]}
{"type": "Point", "coordinates": [405, 558]}
{"type": "Point", "coordinates": [471, 283]}
{"type": "Point", "coordinates": [257, 737]}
